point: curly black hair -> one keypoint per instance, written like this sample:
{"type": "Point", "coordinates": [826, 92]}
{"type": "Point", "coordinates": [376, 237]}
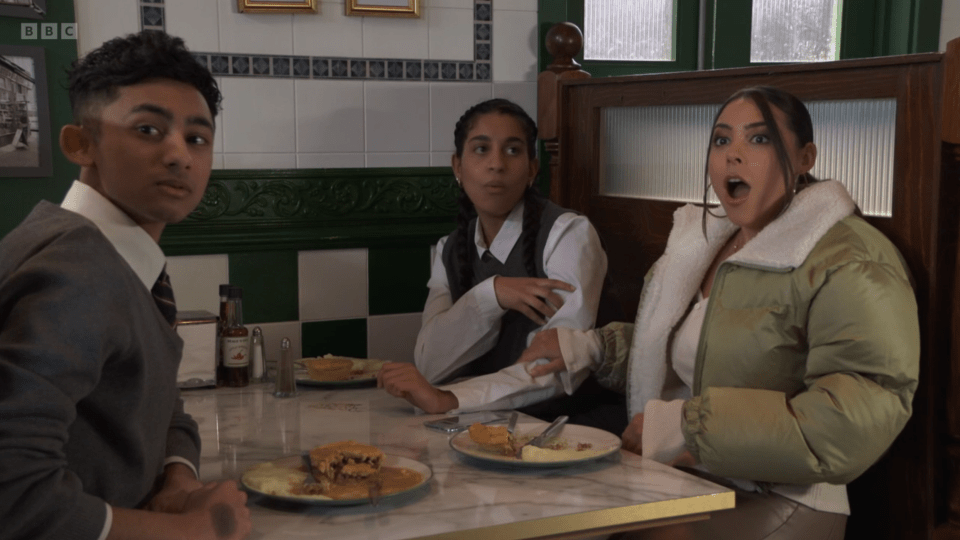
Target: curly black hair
{"type": "Point", "coordinates": [533, 205]}
{"type": "Point", "coordinates": [96, 78]}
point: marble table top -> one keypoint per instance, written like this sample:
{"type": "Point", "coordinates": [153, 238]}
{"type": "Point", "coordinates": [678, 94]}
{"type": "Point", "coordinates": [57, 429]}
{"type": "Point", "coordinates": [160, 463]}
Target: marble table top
{"type": "Point", "coordinates": [464, 499]}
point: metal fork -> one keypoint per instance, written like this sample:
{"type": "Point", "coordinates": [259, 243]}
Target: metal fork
{"type": "Point", "coordinates": [512, 423]}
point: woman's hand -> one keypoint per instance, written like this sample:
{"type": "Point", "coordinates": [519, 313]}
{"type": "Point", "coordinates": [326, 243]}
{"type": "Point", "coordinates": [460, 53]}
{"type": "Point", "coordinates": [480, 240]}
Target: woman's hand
{"type": "Point", "coordinates": [685, 459]}
{"type": "Point", "coordinates": [178, 483]}
{"type": "Point", "coordinates": [401, 379]}
{"type": "Point", "coordinates": [633, 436]}
{"type": "Point", "coordinates": [545, 344]}
{"type": "Point", "coordinates": [534, 297]}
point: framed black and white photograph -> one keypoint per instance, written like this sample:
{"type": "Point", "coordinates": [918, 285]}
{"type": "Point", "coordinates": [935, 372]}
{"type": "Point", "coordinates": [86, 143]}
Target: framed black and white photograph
{"type": "Point", "coordinates": [24, 9]}
{"type": "Point", "coordinates": [25, 148]}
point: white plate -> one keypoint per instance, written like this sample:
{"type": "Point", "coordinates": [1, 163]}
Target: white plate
{"type": "Point", "coordinates": [365, 374]}
{"type": "Point", "coordinates": [602, 444]}
{"type": "Point", "coordinates": [294, 464]}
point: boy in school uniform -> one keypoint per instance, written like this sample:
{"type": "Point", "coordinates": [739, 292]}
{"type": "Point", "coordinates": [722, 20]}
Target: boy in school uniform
{"type": "Point", "coordinates": [94, 441]}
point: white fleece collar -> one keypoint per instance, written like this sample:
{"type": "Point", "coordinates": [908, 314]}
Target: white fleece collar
{"type": "Point", "coordinates": [781, 246]}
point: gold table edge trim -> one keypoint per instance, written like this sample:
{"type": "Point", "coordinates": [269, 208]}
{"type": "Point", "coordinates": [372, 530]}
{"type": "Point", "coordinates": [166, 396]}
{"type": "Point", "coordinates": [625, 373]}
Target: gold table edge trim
{"type": "Point", "coordinates": [585, 522]}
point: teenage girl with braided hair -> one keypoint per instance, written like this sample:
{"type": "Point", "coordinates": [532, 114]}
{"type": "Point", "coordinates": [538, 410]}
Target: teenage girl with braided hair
{"type": "Point", "coordinates": [515, 265]}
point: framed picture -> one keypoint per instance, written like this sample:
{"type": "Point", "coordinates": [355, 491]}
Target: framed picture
{"type": "Point", "coordinates": [24, 9]}
{"type": "Point", "coordinates": [383, 8]}
{"type": "Point", "coordinates": [277, 6]}
{"type": "Point", "coordinates": [25, 148]}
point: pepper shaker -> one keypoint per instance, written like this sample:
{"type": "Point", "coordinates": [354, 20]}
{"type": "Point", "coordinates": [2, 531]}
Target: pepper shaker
{"type": "Point", "coordinates": [286, 385]}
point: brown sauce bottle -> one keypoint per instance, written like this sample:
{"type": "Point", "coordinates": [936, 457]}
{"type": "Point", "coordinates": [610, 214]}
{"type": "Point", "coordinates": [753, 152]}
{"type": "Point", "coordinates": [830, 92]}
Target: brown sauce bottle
{"type": "Point", "coordinates": [235, 342]}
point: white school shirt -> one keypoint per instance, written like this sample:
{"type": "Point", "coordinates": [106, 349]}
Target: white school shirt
{"type": "Point", "coordinates": [455, 333]}
{"type": "Point", "coordinates": [135, 246]}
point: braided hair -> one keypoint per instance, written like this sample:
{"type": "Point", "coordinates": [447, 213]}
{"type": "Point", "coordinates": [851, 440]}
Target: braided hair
{"type": "Point", "coordinates": [533, 205]}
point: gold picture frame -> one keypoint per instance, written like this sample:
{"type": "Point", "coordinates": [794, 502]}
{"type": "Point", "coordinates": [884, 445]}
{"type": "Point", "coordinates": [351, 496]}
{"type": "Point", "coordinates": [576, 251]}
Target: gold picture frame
{"type": "Point", "coordinates": [277, 6]}
{"type": "Point", "coordinates": [382, 8]}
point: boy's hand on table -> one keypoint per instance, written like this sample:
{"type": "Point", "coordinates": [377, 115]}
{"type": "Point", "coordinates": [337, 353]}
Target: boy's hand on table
{"type": "Point", "coordinates": [401, 379]}
{"type": "Point", "coordinates": [178, 482]}
{"type": "Point", "coordinates": [220, 511]}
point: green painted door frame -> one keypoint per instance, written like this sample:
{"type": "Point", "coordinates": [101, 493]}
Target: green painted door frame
{"type": "Point", "coordinates": [869, 28]}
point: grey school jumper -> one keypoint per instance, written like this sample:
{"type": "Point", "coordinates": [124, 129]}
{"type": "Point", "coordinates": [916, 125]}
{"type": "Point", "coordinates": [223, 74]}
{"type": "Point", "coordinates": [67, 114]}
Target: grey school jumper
{"type": "Point", "coordinates": [89, 407]}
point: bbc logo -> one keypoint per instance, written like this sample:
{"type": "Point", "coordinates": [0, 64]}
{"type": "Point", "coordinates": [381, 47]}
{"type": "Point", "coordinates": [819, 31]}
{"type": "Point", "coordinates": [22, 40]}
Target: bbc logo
{"type": "Point", "coordinates": [48, 30]}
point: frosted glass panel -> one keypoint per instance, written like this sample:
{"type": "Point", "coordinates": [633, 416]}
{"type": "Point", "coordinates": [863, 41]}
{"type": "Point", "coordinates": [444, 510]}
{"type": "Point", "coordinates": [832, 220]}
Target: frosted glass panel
{"type": "Point", "coordinates": [659, 152]}
{"type": "Point", "coordinates": [629, 30]}
{"type": "Point", "coordinates": [795, 30]}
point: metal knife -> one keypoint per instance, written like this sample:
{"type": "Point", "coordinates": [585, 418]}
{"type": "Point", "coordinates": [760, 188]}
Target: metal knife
{"type": "Point", "coordinates": [552, 430]}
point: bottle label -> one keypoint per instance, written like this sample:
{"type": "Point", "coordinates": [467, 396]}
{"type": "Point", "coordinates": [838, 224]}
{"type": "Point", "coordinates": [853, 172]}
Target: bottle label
{"type": "Point", "coordinates": [235, 351]}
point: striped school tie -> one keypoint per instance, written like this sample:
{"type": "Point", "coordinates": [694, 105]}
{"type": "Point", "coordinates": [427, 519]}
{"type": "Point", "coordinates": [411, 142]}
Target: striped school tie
{"type": "Point", "coordinates": [163, 296]}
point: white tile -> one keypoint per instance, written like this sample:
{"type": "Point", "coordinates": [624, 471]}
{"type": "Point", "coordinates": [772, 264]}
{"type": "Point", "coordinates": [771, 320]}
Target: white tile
{"type": "Point", "coordinates": [273, 333]}
{"type": "Point", "coordinates": [332, 284]}
{"type": "Point", "coordinates": [393, 337]}
{"type": "Point", "coordinates": [217, 161]}
{"type": "Point", "coordinates": [329, 116]}
{"type": "Point", "coordinates": [521, 93]}
{"type": "Point", "coordinates": [402, 159]}
{"type": "Point", "coordinates": [397, 116]}
{"type": "Point", "coordinates": [514, 46]}
{"type": "Point", "coordinates": [196, 280]}
{"type": "Point", "coordinates": [254, 33]}
{"type": "Point", "coordinates": [331, 161]}
{"type": "Point", "coordinates": [258, 115]}
{"type": "Point", "coordinates": [949, 22]}
{"type": "Point", "coordinates": [329, 33]}
{"type": "Point", "coordinates": [440, 159]}
{"type": "Point", "coordinates": [251, 160]}
{"type": "Point", "coordinates": [451, 34]}
{"type": "Point", "coordinates": [459, 4]}
{"type": "Point", "coordinates": [395, 37]}
{"type": "Point", "coordinates": [448, 102]}
{"type": "Point", "coordinates": [102, 20]}
{"type": "Point", "coordinates": [195, 22]}
{"type": "Point", "coordinates": [218, 136]}
{"type": "Point", "coordinates": [515, 5]}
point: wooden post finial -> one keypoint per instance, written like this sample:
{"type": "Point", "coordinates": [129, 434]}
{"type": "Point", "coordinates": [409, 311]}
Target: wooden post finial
{"type": "Point", "coordinates": [564, 41]}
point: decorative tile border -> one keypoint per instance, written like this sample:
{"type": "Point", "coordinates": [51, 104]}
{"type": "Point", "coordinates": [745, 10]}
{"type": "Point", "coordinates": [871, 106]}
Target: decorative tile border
{"type": "Point", "coordinates": [304, 209]}
{"type": "Point", "coordinates": [152, 16]}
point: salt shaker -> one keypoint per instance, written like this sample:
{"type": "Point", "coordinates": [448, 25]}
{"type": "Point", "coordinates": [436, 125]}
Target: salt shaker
{"type": "Point", "coordinates": [256, 355]}
{"type": "Point", "coordinates": [286, 385]}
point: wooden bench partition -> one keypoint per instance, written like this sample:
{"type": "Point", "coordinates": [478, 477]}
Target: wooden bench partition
{"type": "Point", "coordinates": [914, 491]}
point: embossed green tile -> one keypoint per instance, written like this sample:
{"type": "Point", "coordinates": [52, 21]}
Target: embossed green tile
{"type": "Point", "coordinates": [398, 279]}
{"type": "Point", "coordinates": [346, 337]}
{"type": "Point", "coordinates": [269, 281]}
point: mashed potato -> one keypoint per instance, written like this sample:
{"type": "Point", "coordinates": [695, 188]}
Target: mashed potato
{"type": "Point", "coordinates": [546, 455]}
{"type": "Point", "coordinates": [273, 480]}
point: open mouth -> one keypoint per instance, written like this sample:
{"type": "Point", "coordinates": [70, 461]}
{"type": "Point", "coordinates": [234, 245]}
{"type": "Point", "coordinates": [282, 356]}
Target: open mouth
{"type": "Point", "coordinates": [737, 188]}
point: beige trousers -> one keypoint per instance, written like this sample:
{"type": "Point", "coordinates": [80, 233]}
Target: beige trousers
{"type": "Point", "coordinates": [757, 516]}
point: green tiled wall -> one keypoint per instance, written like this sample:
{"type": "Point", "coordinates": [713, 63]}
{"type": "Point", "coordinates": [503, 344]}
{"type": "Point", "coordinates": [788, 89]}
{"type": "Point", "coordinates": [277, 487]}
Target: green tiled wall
{"type": "Point", "coordinates": [398, 279]}
{"type": "Point", "coordinates": [346, 338]}
{"type": "Point", "coordinates": [269, 281]}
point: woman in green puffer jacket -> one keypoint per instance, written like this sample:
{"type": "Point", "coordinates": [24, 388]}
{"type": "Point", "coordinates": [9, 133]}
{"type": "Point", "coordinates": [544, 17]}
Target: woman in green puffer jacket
{"type": "Point", "coordinates": [776, 347]}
